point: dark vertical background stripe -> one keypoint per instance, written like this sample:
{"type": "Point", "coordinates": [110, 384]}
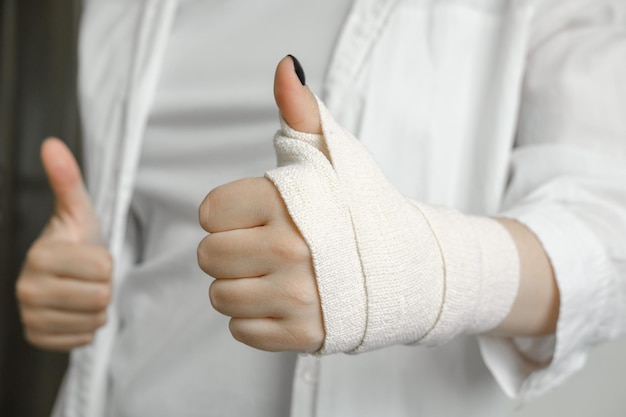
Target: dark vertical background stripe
{"type": "Point", "coordinates": [38, 40]}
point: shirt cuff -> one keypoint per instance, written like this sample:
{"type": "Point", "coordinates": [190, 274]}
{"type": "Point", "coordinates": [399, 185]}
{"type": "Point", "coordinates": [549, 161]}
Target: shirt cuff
{"type": "Point", "coordinates": [525, 368]}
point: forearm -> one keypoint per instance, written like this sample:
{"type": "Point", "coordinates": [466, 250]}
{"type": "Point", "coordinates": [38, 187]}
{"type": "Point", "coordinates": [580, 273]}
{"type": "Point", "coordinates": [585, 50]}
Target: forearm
{"type": "Point", "coordinates": [536, 308]}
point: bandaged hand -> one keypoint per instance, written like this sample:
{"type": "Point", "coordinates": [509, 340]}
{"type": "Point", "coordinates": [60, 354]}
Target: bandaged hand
{"type": "Point", "coordinates": [264, 278]}
{"type": "Point", "coordinates": [384, 269]}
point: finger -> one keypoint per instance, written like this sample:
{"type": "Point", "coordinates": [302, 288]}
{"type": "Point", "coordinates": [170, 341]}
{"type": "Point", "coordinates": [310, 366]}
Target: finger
{"type": "Point", "coordinates": [242, 204]}
{"type": "Point", "coordinates": [239, 253]}
{"type": "Point", "coordinates": [58, 342]}
{"type": "Point", "coordinates": [247, 298]}
{"type": "Point", "coordinates": [254, 252]}
{"type": "Point", "coordinates": [296, 102]}
{"type": "Point", "coordinates": [292, 293]}
{"type": "Point", "coordinates": [44, 320]}
{"type": "Point", "coordinates": [65, 178]}
{"type": "Point", "coordinates": [277, 335]}
{"type": "Point", "coordinates": [80, 261]}
{"type": "Point", "coordinates": [64, 294]}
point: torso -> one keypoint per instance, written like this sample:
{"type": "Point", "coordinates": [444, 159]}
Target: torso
{"type": "Point", "coordinates": [212, 122]}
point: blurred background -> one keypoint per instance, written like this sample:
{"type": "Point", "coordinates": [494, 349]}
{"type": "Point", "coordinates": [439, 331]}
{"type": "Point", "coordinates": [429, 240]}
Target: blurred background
{"type": "Point", "coordinates": [38, 41]}
{"type": "Point", "coordinates": [37, 99]}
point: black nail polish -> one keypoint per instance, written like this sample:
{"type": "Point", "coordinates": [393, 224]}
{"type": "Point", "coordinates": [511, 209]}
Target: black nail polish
{"type": "Point", "coordinates": [298, 68]}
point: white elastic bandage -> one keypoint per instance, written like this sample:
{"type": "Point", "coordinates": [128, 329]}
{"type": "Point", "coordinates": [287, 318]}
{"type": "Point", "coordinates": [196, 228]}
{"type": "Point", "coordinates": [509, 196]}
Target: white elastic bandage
{"type": "Point", "coordinates": [389, 270]}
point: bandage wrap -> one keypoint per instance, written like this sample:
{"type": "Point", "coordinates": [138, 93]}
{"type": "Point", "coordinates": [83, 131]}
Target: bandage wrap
{"type": "Point", "coordinates": [389, 270]}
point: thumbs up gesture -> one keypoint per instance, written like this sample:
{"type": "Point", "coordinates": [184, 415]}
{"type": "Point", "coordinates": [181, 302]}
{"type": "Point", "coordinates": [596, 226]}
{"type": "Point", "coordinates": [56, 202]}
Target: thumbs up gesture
{"type": "Point", "coordinates": [64, 287]}
{"type": "Point", "coordinates": [262, 265]}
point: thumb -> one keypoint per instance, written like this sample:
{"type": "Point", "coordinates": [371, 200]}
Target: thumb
{"type": "Point", "coordinates": [296, 102]}
{"type": "Point", "coordinates": [65, 179]}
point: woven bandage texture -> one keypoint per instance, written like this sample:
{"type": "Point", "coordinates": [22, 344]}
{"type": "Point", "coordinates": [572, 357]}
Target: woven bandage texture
{"type": "Point", "coordinates": [389, 270]}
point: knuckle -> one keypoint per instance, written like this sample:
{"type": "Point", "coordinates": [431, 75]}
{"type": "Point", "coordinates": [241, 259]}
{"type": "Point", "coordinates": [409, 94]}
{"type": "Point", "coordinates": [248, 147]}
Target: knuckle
{"type": "Point", "coordinates": [29, 319]}
{"type": "Point", "coordinates": [206, 208]}
{"type": "Point", "coordinates": [38, 257]}
{"type": "Point", "coordinates": [100, 319]}
{"type": "Point", "coordinates": [291, 249]}
{"type": "Point", "coordinates": [200, 254]}
{"type": "Point", "coordinates": [203, 213]}
{"type": "Point", "coordinates": [214, 296]}
{"type": "Point", "coordinates": [213, 195]}
{"type": "Point", "coordinates": [85, 340]}
{"type": "Point", "coordinates": [246, 334]}
{"type": "Point", "coordinates": [203, 253]}
{"type": "Point", "coordinates": [296, 293]}
{"type": "Point", "coordinates": [220, 298]}
{"type": "Point", "coordinates": [26, 292]}
{"type": "Point", "coordinates": [303, 295]}
{"type": "Point", "coordinates": [297, 290]}
{"type": "Point", "coordinates": [101, 296]}
{"type": "Point", "coordinates": [35, 338]}
{"type": "Point", "coordinates": [239, 333]}
{"type": "Point", "coordinates": [306, 337]}
{"type": "Point", "coordinates": [35, 321]}
{"type": "Point", "coordinates": [104, 265]}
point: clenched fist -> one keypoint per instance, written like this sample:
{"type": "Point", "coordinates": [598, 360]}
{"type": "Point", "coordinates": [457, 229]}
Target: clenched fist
{"type": "Point", "coordinates": [64, 287]}
{"type": "Point", "coordinates": [262, 266]}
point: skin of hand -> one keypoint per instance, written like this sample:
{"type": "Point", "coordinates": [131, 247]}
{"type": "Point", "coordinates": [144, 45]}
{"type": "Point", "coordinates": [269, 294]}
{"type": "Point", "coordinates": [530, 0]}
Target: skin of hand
{"type": "Point", "coordinates": [535, 311]}
{"type": "Point", "coordinates": [264, 275]}
{"type": "Point", "coordinates": [64, 287]}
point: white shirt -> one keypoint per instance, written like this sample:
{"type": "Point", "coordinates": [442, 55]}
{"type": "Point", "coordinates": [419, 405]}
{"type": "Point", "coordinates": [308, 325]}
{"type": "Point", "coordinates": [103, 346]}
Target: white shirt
{"type": "Point", "coordinates": [211, 122]}
{"type": "Point", "coordinates": [482, 105]}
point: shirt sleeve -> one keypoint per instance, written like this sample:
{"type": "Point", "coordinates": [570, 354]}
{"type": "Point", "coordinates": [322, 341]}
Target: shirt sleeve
{"type": "Point", "coordinates": [568, 185]}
